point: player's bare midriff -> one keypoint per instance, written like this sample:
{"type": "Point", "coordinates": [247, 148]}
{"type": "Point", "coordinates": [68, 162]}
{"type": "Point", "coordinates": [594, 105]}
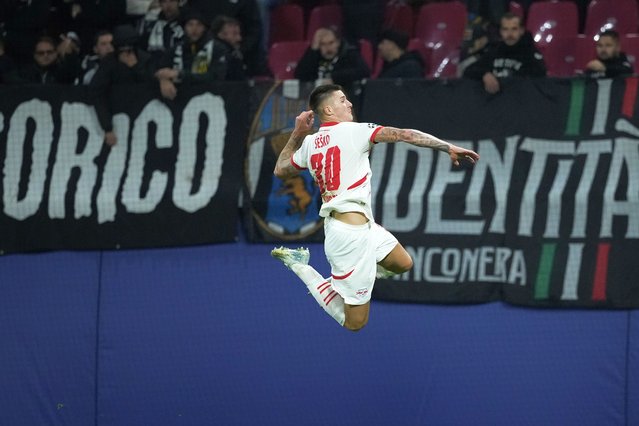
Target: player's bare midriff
{"type": "Point", "coordinates": [352, 218]}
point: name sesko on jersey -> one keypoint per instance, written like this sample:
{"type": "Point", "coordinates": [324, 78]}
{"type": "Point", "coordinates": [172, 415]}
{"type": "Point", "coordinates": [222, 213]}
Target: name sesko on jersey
{"type": "Point", "coordinates": [337, 156]}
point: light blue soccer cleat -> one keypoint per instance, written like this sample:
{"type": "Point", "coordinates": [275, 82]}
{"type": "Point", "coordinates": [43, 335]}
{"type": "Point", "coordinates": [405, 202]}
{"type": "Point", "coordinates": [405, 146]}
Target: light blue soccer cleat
{"type": "Point", "coordinates": [291, 257]}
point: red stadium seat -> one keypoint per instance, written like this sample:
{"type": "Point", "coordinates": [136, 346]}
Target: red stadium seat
{"type": "Point", "coordinates": [324, 16]}
{"type": "Point", "coordinates": [560, 56]}
{"type": "Point", "coordinates": [399, 16]}
{"type": "Point", "coordinates": [549, 19]}
{"type": "Point", "coordinates": [367, 52]}
{"type": "Point", "coordinates": [287, 23]}
{"type": "Point", "coordinates": [630, 46]}
{"type": "Point", "coordinates": [377, 66]}
{"type": "Point", "coordinates": [618, 15]}
{"type": "Point", "coordinates": [585, 51]}
{"type": "Point", "coordinates": [444, 59]}
{"type": "Point", "coordinates": [517, 9]}
{"type": "Point", "coordinates": [441, 21]}
{"type": "Point", "coordinates": [284, 56]}
{"type": "Point", "coordinates": [424, 51]}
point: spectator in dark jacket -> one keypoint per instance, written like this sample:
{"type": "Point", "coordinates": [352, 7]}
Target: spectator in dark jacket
{"type": "Point", "coordinates": [398, 63]}
{"type": "Point", "coordinates": [163, 32]}
{"type": "Point", "coordinates": [611, 61]}
{"type": "Point", "coordinates": [228, 31]}
{"type": "Point", "coordinates": [200, 58]}
{"type": "Point", "coordinates": [126, 65]}
{"type": "Point", "coordinates": [102, 48]}
{"type": "Point", "coordinates": [50, 65]}
{"type": "Point", "coordinates": [247, 13]}
{"type": "Point", "coordinates": [329, 60]}
{"type": "Point", "coordinates": [514, 56]}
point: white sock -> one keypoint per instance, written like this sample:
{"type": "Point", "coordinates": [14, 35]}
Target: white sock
{"type": "Point", "coordinates": [322, 290]}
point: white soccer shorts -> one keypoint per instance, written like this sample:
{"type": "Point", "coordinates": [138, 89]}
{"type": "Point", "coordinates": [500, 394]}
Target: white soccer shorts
{"type": "Point", "coordinates": [353, 252]}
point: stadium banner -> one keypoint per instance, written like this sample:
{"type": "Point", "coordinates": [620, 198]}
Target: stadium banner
{"type": "Point", "coordinates": [549, 216]}
{"type": "Point", "coordinates": [173, 178]}
{"type": "Point", "coordinates": [277, 210]}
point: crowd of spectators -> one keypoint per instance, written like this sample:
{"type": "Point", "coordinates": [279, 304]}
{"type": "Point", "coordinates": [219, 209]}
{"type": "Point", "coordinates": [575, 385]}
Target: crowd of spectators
{"type": "Point", "coordinates": [67, 41]}
{"type": "Point", "coordinates": [100, 43]}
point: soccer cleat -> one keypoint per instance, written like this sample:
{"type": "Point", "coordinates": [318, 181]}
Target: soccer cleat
{"type": "Point", "coordinates": [383, 273]}
{"type": "Point", "coordinates": [291, 257]}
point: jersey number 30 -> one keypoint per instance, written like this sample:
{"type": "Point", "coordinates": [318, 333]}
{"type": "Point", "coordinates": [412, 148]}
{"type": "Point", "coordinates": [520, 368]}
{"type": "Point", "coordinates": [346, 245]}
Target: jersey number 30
{"type": "Point", "coordinates": [327, 173]}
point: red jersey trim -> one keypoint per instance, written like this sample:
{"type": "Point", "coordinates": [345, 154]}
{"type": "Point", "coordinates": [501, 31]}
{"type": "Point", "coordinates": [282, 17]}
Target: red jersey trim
{"type": "Point", "coordinates": [329, 123]}
{"type": "Point", "coordinates": [342, 277]}
{"type": "Point", "coordinates": [358, 183]}
{"type": "Point", "coordinates": [375, 133]}
{"type": "Point", "coordinates": [296, 166]}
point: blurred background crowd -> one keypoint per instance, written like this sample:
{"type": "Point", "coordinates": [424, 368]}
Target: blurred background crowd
{"type": "Point", "coordinates": [100, 42]}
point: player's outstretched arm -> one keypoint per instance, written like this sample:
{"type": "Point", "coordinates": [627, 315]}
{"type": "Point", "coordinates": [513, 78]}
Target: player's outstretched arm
{"type": "Point", "coordinates": [303, 124]}
{"type": "Point", "coordinates": [421, 139]}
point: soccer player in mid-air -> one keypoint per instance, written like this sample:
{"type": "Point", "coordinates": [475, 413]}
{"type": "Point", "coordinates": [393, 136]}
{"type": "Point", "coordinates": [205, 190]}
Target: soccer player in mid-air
{"type": "Point", "coordinates": [358, 250]}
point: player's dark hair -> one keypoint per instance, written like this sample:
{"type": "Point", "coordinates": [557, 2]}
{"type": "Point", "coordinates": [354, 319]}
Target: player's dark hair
{"type": "Point", "coordinates": [320, 94]}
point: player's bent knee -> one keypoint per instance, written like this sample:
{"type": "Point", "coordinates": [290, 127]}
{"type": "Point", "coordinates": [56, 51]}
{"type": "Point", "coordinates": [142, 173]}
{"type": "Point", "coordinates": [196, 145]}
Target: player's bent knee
{"type": "Point", "coordinates": [355, 325]}
{"type": "Point", "coordinates": [356, 317]}
{"type": "Point", "coordinates": [407, 264]}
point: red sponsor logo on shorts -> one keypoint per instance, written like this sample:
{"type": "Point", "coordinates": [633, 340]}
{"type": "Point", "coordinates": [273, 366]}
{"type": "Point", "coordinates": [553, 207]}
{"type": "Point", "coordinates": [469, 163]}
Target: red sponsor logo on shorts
{"type": "Point", "coordinates": [361, 292]}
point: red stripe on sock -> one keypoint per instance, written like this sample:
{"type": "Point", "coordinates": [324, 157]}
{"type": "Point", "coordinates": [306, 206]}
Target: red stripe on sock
{"type": "Point", "coordinates": [332, 293]}
{"type": "Point", "coordinates": [341, 277]}
{"type": "Point", "coordinates": [601, 272]}
{"type": "Point", "coordinates": [325, 284]}
{"type": "Point", "coordinates": [331, 299]}
{"type": "Point", "coordinates": [630, 97]}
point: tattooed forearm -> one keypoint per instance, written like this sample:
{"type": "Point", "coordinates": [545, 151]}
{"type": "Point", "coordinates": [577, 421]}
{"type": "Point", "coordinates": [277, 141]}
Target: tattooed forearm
{"type": "Point", "coordinates": [418, 138]}
{"type": "Point", "coordinates": [283, 167]}
{"type": "Point", "coordinates": [411, 136]}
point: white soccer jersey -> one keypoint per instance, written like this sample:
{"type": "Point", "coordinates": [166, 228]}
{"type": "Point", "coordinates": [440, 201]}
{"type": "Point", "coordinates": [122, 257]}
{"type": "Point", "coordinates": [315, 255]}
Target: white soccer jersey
{"type": "Point", "coordinates": [337, 156]}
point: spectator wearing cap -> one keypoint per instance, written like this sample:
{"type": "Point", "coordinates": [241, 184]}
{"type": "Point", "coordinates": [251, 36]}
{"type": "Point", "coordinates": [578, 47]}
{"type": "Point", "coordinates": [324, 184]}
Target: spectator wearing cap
{"type": "Point", "coordinates": [126, 65]}
{"type": "Point", "coordinates": [398, 63]}
{"type": "Point", "coordinates": [227, 30]}
{"type": "Point", "coordinates": [48, 67]}
{"type": "Point", "coordinates": [199, 58]}
{"type": "Point", "coordinates": [102, 48]}
{"type": "Point", "coordinates": [162, 32]}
